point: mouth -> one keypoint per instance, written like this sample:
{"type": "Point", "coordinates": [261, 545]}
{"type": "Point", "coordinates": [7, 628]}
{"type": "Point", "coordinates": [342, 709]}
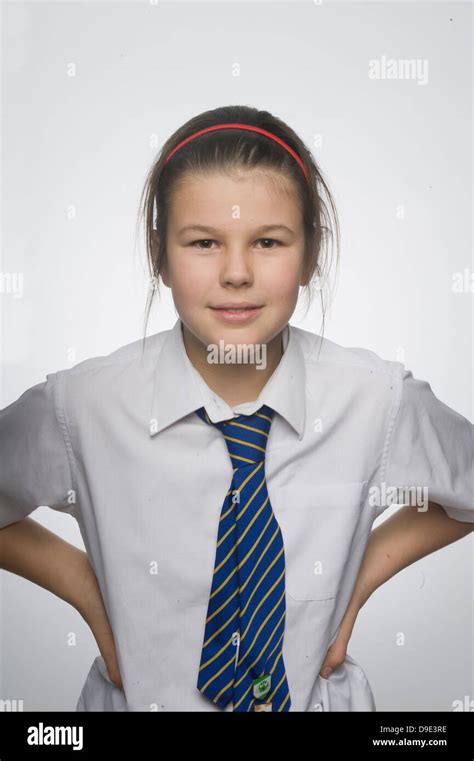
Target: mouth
{"type": "Point", "coordinates": [236, 313]}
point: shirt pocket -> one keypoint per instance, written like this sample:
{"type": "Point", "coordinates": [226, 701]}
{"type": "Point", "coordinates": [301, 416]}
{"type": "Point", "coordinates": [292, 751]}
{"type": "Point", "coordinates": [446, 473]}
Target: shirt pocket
{"type": "Point", "coordinates": [318, 525]}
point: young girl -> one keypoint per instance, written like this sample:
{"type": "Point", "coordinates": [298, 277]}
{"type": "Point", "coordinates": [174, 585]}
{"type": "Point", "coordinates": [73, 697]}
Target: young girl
{"type": "Point", "coordinates": [225, 474]}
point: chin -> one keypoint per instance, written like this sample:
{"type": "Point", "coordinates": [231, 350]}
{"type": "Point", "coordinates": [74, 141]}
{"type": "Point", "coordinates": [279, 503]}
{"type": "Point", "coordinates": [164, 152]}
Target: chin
{"type": "Point", "coordinates": [241, 336]}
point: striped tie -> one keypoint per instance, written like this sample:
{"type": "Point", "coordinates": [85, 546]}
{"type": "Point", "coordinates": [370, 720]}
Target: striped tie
{"type": "Point", "coordinates": [242, 655]}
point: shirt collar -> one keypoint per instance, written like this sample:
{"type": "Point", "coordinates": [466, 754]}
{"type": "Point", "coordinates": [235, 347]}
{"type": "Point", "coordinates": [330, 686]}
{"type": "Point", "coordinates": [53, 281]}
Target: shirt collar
{"type": "Point", "coordinates": [285, 390]}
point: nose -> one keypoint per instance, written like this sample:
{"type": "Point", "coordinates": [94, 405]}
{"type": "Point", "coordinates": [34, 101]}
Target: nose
{"type": "Point", "coordinates": [236, 268]}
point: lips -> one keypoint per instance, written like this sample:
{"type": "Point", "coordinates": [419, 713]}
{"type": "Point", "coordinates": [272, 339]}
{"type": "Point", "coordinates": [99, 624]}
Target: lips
{"type": "Point", "coordinates": [231, 306]}
{"type": "Point", "coordinates": [236, 313]}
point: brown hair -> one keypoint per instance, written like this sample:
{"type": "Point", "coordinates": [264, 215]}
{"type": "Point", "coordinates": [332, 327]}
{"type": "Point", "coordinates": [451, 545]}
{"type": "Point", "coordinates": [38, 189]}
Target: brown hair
{"type": "Point", "coordinates": [240, 149]}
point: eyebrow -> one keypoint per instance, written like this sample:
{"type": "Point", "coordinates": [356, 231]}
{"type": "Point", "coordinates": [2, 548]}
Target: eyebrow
{"type": "Point", "coordinates": [262, 229]}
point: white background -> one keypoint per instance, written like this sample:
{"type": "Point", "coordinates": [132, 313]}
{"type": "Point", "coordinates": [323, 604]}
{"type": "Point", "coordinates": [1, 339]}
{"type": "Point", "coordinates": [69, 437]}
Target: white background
{"type": "Point", "coordinates": [76, 150]}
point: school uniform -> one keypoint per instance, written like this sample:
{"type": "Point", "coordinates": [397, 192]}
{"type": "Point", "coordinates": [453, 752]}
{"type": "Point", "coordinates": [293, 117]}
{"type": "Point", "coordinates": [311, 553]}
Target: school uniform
{"type": "Point", "coordinates": [115, 441]}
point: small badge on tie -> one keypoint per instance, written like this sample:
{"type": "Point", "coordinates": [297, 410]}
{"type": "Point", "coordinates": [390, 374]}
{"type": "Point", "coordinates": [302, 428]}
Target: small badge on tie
{"type": "Point", "coordinates": [261, 686]}
{"type": "Point", "coordinates": [263, 706]}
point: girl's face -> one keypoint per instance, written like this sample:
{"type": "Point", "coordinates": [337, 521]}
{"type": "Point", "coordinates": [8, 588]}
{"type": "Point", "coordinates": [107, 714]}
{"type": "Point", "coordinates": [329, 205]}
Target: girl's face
{"type": "Point", "coordinates": [235, 239]}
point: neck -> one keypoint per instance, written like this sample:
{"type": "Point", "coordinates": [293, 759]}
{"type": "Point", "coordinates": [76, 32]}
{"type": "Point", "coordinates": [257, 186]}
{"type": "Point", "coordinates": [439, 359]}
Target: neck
{"type": "Point", "coordinates": [235, 383]}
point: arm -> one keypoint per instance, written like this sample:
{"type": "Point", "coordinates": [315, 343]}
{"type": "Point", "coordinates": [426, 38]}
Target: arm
{"type": "Point", "coordinates": [405, 537]}
{"type": "Point", "coordinates": [32, 551]}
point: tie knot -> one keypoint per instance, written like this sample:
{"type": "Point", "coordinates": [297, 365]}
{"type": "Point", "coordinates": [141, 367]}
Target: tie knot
{"type": "Point", "coordinates": [246, 436]}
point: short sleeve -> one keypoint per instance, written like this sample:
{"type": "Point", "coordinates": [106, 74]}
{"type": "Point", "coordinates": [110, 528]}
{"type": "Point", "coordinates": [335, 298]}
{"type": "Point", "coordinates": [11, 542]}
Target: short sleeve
{"type": "Point", "coordinates": [34, 463]}
{"type": "Point", "coordinates": [431, 446]}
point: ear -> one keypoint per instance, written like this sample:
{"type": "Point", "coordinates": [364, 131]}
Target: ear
{"type": "Point", "coordinates": [304, 276]}
{"type": "Point", "coordinates": [155, 243]}
{"type": "Point", "coordinates": [305, 265]}
{"type": "Point", "coordinates": [164, 276]}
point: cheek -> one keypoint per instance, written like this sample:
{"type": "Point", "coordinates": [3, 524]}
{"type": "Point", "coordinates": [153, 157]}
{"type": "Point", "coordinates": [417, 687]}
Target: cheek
{"type": "Point", "coordinates": [189, 278]}
{"type": "Point", "coordinates": [282, 280]}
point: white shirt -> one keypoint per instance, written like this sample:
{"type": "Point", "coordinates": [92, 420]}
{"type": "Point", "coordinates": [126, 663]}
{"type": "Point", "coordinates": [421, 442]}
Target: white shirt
{"type": "Point", "coordinates": [115, 442]}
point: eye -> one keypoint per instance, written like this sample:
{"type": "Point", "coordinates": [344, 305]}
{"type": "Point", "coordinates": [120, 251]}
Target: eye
{"type": "Point", "coordinates": [197, 243]}
{"type": "Point", "coordinates": [271, 240]}
{"type": "Point", "coordinates": [202, 240]}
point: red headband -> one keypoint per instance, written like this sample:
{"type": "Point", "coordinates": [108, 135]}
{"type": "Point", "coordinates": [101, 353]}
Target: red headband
{"type": "Point", "coordinates": [249, 127]}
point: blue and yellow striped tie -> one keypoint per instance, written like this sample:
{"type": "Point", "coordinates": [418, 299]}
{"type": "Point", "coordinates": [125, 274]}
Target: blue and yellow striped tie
{"type": "Point", "coordinates": [242, 657]}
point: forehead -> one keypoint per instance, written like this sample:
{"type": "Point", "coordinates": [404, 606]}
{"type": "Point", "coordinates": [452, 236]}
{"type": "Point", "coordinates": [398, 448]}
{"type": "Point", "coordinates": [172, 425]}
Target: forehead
{"type": "Point", "coordinates": [256, 194]}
